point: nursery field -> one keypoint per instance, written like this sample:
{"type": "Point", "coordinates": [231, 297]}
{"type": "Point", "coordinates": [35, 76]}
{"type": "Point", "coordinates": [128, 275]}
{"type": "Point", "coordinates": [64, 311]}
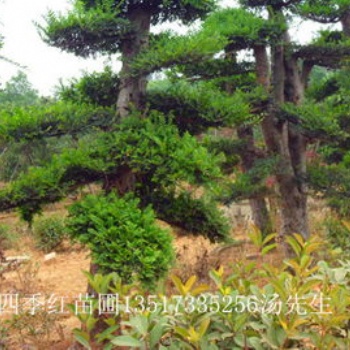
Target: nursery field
{"type": "Point", "coordinates": [191, 195]}
{"type": "Point", "coordinates": [62, 276]}
{"type": "Point", "coordinates": [55, 278]}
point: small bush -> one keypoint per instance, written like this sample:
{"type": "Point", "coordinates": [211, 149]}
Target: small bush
{"type": "Point", "coordinates": [49, 232]}
{"type": "Point", "coordinates": [338, 233]}
{"type": "Point", "coordinates": [122, 237]}
{"type": "Point", "coordinates": [7, 238]}
{"type": "Point", "coordinates": [35, 330]}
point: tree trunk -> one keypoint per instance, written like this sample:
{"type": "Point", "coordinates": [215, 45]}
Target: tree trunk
{"type": "Point", "coordinates": [123, 182]}
{"type": "Point", "coordinates": [133, 88]}
{"type": "Point", "coordinates": [282, 140]}
{"type": "Point", "coordinates": [260, 215]}
{"type": "Point", "coordinates": [294, 93]}
{"type": "Point", "coordinates": [258, 205]}
{"type": "Point", "coordinates": [131, 95]}
{"type": "Point", "coordinates": [345, 21]}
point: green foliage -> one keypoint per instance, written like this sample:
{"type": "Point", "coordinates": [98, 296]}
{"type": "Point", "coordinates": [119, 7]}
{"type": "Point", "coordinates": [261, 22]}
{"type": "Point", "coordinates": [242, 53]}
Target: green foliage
{"type": "Point", "coordinates": [252, 183]}
{"type": "Point", "coordinates": [323, 11]}
{"type": "Point", "coordinates": [160, 10]}
{"type": "Point", "coordinates": [228, 28]}
{"type": "Point", "coordinates": [18, 91]}
{"type": "Point", "coordinates": [231, 148]}
{"type": "Point", "coordinates": [122, 237]}
{"type": "Point", "coordinates": [338, 233]}
{"type": "Point", "coordinates": [264, 243]}
{"type": "Point", "coordinates": [197, 106]}
{"type": "Point", "coordinates": [99, 89]}
{"type": "Point", "coordinates": [331, 89]}
{"type": "Point", "coordinates": [18, 157]}
{"type": "Point", "coordinates": [339, 203]}
{"type": "Point", "coordinates": [330, 37]}
{"type": "Point", "coordinates": [318, 120]}
{"type": "Point", "coordinates": [242, 28]}
{"type": "Point", "coordinates": [102, 26]}
{"type": "Point", "coordinates": [299, 304]}
{"type": "Point", "coordinates": [56, 119]}
{"type": "Point", "coordinates": [169, 50]}
{"type": "Point", "coordinates": [151, 148]}
{"type": "Point", "coordinates": [330, 49]}
{"type": "Point", "coordinates": [86, 32]}
{"type": "Point", "coordinates": [7, 237]}
{"type": "Point", "coordinates": [199, 216]}
{"type": "Point", "coordinates": [331, 182]}
{"type": "Point", "coordinates": [324, 54]}
{"type": "Point", "coordinates": [32, 190]}
{"type": "Point", "coordinates": [49, 232]}
{"type": "Point", "coordinates": [322, 89]}
{"type": "Point", "coordinates": [216, 68]}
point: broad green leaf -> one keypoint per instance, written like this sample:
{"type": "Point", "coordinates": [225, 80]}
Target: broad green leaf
{"type": "Point", "coordinates": [179, 285]}
{"type": "Point", "coordinates": [83, 338]}
{"type": "Point", "coordinates": [267, 248]}
{"type": "Point", "coordinates": [156, 334]}
{"type": "Point", "coordinates": [294, 244]}
{"type": "Point", "coordinates": [203, 327]}
{"type": "Point", "coordinates": [189, 283]}
{"type": "Point", "coordinates": [269, 238]}
{"type": "Point", "coordinates": [126, 340]}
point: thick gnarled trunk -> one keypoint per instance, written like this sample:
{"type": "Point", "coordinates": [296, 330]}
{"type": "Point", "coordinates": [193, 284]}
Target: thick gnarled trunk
{"type": "Point", "coordinates": [293, 188]}
{"type": "Point", "coordinates": [281, 137]}
{"type": "Point", "coordinates": [133, 87]}
{"type": "Point", "coordinates": [131, 95]}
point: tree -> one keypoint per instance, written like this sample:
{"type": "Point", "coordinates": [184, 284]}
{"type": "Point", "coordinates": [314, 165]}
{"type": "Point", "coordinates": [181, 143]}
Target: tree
{"type": "Point", "coordinates": [119, 26]}
{"type": "Point", "coordinates": [329, 172]}
{"type": "Point", "coordinates": [125, 28]}
{"type": "Point", "coordinates": [19, 91]}
{"type": "Point", "coordinates": [148, 157]}
{"type": "Point", "coordinates": [288, 119]}
{"type": "Point", "coordinates": [272, 97]}
{"type": "Point", "coordinates": [290, 123]}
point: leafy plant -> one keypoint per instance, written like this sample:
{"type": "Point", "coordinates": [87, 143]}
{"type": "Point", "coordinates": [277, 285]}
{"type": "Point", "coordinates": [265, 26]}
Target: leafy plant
{"type": "Point", "coordinates": [49, 232]}
{"type": "Point", "coordinates": [263, 244]}
{"type": "Point", "coordinates": [298, 304]}
{"type": "Point", "coordinates": [7, 237]}
{"type": "Point", "coordinates": [95, 88]}
{"type": "Point", "coordinates": [338, 233]}
{"type": "Point", "coordinates": [151, 148]}
{"type": "Point", "coordinates": [122, 237]}
{"type": "Point", "coordinates": [37, 329]}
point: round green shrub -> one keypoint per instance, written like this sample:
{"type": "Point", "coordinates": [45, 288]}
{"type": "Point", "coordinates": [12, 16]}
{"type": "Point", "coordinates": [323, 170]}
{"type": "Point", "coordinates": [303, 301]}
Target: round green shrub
{"type": "Point", "coordinates": [122, 237]}
{"type": "Point", "coordinates": [49, 232]}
